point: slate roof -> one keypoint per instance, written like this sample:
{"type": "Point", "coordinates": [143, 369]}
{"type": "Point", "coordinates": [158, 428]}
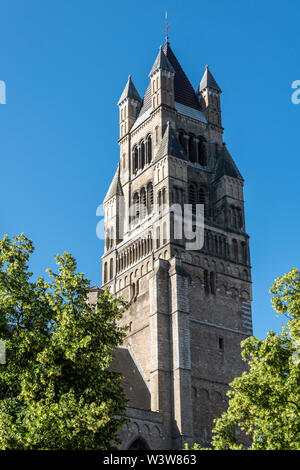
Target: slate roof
{"type": "Point", "coordinates": [170, 145]}
{"type": "Point", "coordinates": [161, 62]}
{"type": "Point", "coordinates": [190, 112]}
{"type": "Point", "coordinates": [208, 81]}
{"type": "Point", "coordinates": [130, 92]}
{"type": "Point", "coordinates": [115, 186]}
{"type": "Point", "coordinates": [146, 101]}
{"type": "Point", "coordinates": [226, 166]}
{"type": "Point", "coordinates": [184, 92]}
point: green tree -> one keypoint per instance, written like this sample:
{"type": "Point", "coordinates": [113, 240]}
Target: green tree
{"type": "Point", "coordinates": [265, 401]}
{"type": "Point", "coordinates": [56, 391]}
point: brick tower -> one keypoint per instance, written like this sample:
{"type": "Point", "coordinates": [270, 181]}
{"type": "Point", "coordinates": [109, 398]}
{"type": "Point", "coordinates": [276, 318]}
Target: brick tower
{"type": "Point", "coordinates": [190, 309]}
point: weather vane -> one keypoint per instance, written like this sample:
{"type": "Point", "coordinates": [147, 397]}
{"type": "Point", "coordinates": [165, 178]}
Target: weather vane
{"type": "Point", "coordinates": [167, 27]}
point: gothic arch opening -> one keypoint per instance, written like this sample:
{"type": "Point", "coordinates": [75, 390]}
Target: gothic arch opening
{"type": "Point", "coordinates": [202, 155]}
{"type": "Point", "coordinates": [138, 444]}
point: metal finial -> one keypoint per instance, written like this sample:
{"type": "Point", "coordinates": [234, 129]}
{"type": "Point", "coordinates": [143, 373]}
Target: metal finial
{"type": "Point", "coordinates": [167, 27]}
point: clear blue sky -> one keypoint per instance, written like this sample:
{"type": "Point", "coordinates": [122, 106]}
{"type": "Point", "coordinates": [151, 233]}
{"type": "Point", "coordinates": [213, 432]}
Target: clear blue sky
{"type": "Point", "coordinates": [65, 64]}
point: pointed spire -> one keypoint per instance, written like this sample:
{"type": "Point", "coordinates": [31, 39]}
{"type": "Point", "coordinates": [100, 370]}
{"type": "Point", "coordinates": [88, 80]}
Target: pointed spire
{"type": "Point", "coordinates": [115, 188]}
{"type": "Point", "coordinates": [184, 92]}
{"type": "Point", "coordinates": [208, 81]}
{"type": "Point", "coordinates": [161, 62]}
{"type": "Point", "coordinates": [167, 26]}
{"type": "Point", "coordinates": [130, 92]}
{"type": "Point", "coordinates": [170, 145]}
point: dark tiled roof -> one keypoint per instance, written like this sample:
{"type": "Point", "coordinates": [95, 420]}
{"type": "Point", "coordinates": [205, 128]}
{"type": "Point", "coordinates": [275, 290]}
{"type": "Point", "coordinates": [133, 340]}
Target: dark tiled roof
{"type": "Point", "coordinates": [146, 100]}
{"type": "Point", "coordinates": [184, 92]}
{"type": "Point", "coordinates": [136, 390]}
{"type": "Point", "coordinates": [130, 92]}
{"type": "Point", "coordinates": [226, 166]}
{"type": "Point", "coordinates": [208, 81]}
{"type": "Point", "coordinates": [161, 62]}
{"type": "Point", "coordinates": [115, 187]}
{"type": "Point", "coordinates": [170, 145]}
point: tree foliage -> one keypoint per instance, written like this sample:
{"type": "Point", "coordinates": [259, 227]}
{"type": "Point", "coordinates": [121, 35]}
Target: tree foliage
{"type": "Point", "coordinates": [265, 401]}
{"type": "Point", "coordinates": [56, 391]}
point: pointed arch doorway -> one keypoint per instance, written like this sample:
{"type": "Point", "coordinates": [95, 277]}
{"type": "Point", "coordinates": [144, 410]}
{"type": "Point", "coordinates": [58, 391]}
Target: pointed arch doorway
{"type": "Point", "coordinates": [138, 444]}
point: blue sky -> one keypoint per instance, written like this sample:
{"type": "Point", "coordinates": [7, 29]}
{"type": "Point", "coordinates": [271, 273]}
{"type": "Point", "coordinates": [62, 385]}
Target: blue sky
{"type": "Point", "coordinates": [65, 64]}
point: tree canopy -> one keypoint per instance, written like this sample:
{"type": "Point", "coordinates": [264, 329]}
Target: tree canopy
{"type": "Point", "coordinates": [56, 389]}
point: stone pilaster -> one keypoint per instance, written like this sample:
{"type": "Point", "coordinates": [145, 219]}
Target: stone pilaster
{"type": "Point", "coordinates": [160, 338]}
{"type": "Point", "coordinates": [181, 354]}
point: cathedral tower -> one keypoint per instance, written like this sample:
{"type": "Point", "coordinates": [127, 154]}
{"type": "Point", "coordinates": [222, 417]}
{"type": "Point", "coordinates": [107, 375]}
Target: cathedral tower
{"type": "Point", "coordinates": [190, 308]}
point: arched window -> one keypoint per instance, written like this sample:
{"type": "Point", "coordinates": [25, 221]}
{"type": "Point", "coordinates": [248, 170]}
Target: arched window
{"type": "Point", "coordinates": [206, 282]}
{"type": "Point", "coordinates": [202, 157]}
{"type": "Point", "coordinates": [217, 245]}
{"type": "Point", "coordinates": [135, 159]}
{"type": "Point", "coordinates": [157, 237]}
{"type": "Point", "coordinates": [164, 195]}
{"type": "Point", "coordinates": [111, 269]}
{"type": "Point", "coordinates": [164, 233]}
{"type": "Point", "coordinates": [202, 200]}
{"type": "Point", "coordinates": [212, 283]}
{"type": "Point", "coordinates": [191, 149]}
{"type": "Point", "coordinates": [175, 195]}
{"type": "Point", "coordinates": [201, 196]}
{"type": "Point", "coordinates": [235, 249]}
{"type": "Point", "coordinates": [136, 204]}
{"type": "Point", "coordinates": [232, 216]}
{"type": "Point", "coordinates": [235, 221]}
{"type": "Point", "coordinates": [133, 290]}
{"type": "Point", "coordinates": [149, 198]}
{"type": "Point", "coordinates": [159, 198]}
{"type": "Point", "coordinates": [143, 203]}
{"type": "Point", "coordinates": [111, 237]}
{"type": "Point", "coordinates": [142, 150]}
{"type": "Point", "coordinates": [107, 241]}
{"type": "Point", "coordinates": [244, 252]}
{"type": "Point", "coordinates": [181, 139]}
{"type": "Point", "coordinates": [105, 273]}
{"type": "Point", "coordinates": [192, 197]}
{"type": "Point", "coordinates": [149, 149]}
{"type": "Point", "coordinates": [240, 218]}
